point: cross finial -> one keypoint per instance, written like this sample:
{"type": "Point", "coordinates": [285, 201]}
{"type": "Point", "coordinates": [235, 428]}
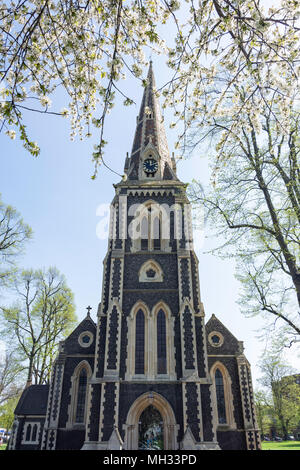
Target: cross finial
{"type": "Point", "coordinates": [89, 309]}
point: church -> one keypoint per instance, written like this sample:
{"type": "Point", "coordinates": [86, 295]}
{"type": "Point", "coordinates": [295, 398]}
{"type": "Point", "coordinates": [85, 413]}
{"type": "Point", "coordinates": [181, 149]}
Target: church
{"type": "Point", "coordinates": [151, 373]}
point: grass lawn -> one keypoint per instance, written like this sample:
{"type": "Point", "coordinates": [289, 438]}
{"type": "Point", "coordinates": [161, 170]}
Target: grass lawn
{"type": "Point", "coordinates": [283, 445]}
{"type": "Point", "coordinates": [265, 445]}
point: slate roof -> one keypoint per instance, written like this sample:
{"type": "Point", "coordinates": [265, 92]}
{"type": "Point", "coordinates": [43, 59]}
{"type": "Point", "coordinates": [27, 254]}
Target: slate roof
{"type": "Point", "coordinates": [33, 400]}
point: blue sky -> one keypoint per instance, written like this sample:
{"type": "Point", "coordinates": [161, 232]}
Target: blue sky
{"type": "Point", "coordinates": [57, 197]}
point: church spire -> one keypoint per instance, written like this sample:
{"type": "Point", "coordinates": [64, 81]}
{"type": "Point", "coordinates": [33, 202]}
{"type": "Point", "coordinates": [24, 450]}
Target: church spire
{"type": "Point", "coordinates": [150, 134]}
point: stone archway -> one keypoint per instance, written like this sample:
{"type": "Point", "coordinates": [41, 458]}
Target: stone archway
{"type": "Point", "coordinates": [164, 408]}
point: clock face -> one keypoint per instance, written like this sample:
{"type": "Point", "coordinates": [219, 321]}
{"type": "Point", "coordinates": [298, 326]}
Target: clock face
{"type": "Point", "coordinates": [150, 165]}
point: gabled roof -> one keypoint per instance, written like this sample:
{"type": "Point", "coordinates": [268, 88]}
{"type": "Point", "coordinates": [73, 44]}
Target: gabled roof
{"type": "Point", "coordinates": [33, 401]}
{"type": "Point", "coordinates": [231, 344]}
{"type": "Point", "coordinates": [70, 345]}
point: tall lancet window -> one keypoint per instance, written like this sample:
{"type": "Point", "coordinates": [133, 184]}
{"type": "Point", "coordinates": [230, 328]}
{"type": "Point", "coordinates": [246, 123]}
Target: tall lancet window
{"type": "Point", "coordinates": [145, 233]}
{"type": "Point", "coordinates": [81, 396]}
{"type": "Point", "coordinates": [156, 233]}
{"type": "Point", "coordinates": [220, 397]}
{"type": "Point", "coordinates": [34, 432]}
{"type": "Point", "coordinates": [152, 226]}
{"type": "Point", "coordinates": [28, 433]}
{"type": "Point", "coordinates": [161, 343]}
{"type": "Point", "coordinates": [140, 342]}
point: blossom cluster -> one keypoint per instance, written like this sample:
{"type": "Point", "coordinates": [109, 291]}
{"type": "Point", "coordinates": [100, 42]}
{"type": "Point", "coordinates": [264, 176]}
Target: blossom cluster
{"type": "Point", "coordinates": [230, 61]}
{"type": "Point", "coordinates": [83, 46]}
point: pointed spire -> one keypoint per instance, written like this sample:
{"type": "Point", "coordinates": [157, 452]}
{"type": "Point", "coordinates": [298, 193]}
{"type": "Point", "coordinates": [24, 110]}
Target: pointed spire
{"type": "Point", "coordinates": [150, 131]}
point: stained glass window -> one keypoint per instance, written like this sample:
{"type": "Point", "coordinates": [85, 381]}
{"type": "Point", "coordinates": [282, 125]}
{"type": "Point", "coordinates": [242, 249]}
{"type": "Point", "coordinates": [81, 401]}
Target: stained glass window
{"type": "Point", "coordinates": [215, 339]}
{"type": "Point", "coordinates": [34, 432]}
{"type": "Point", "coordinates": [220, 397]}
{"type": "Point", "coordinates": [140, 343]}
{"type": "Point", "coordinates": [28, 433]}
{"type": "Point", "coordinates": [81, 396]}
{"type": "Point", "coordinates": [161, 343]}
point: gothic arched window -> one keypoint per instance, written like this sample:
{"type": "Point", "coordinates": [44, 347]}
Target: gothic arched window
{"type": "Point", "coordinates": [156, 233]}
{"type": "Point", "coordinates": [81, 396]}
{"type": "Point", "coordinates": [150, 227]}
{"type": "Point", "coordinates": [140, 342]}
{"type": "Point", "coordinates": [34, 432]}
{"type": "Point", "coordinates": [145, 233]}
{"type": "Point", "coordinates": [161, 343]}
{"type": "Point", "coordinates": [221, 406]}
{"type": "Point", "coordinates": [28, 433]}
{"type": "Point", "coordinates": [79, 392]}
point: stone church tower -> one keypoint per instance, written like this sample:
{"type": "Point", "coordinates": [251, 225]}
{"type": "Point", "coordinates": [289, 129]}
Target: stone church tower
{"type": "Point", "coordinates": [150, 373]}
{"type": "Point", "coordinates": [151, 348]}
{"type": "Point", "coordinates": [150, 342]}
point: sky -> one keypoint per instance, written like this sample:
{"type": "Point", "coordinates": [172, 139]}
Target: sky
{"type": "Point", "coordinates": [67, 210]}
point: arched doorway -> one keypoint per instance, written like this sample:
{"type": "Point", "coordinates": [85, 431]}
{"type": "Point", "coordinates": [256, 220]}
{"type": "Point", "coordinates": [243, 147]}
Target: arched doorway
{"type": "Point", "coordinates": [151, 429]}
{"type": "Point", "coordinates": [150, 410]}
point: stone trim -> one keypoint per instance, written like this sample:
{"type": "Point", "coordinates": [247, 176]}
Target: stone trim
{"type": "Point", "coordinates": [100, 313]}
{"type": "Point", "coordinates": [58, 379]}
{"type": "Point", "coordinates": [88, 409]}
{"type": "Point", "coordinates": [104, 279]}
{"type": "Point", "coordinates": [113, 339]}
{"type": "Point", "coordinates": [133, 185]}
{"type": "Point", "coordinates": [101, 417]}
{"type": "Point", "coordinates": [185, 278]}
{"type": "Point", "coordinates": [205, 356]}
{"type": "Point", "coordinates": [85, 333]}
{"type": "Point", "coordinates": [80, 355]}
{"type": "Point", "coordinates": [155, 267]}
{"type": "Point", "coordinates": [150, 149]}
{"type": "Point", "coordinates": [131, 329]}
{"type": "Point", "coordinates": [45, 435]}
{"type": "Point", "coordinates": [221, 355]}
{"type": "Point", "coordinates": [215, 333]}
{"type": "Point", "coordinates": [53, 406]}
{"type": "Point", "coordinates": [109, 410]}
{"type": "Point", "coordinates": [24, 432]}
{"type": "Point", "coordinates": [13, 438]}
{"type": "Point", "coordinates": [184, 406]}
{"type": "Point", "coordinates": [186, 341]}
{"type": "Point", "coordinates": [143, 212]}
{"type": "Point", "coordinates": [117, 396]}
{"type": "Point", "coordinates": [192, 409]}
{"type": "Point", "coordinates": [169, 422]}
{"type": "Point", "coordinates": [116, 278]}
{"type": "Point", "coordinates": [150, 371]}
{"type": "Point", "coordinates": [150, 192]}
{"type": "Point", "coordinates": [200, 412]}
{"type": "Point", "coordinates": [249, 414]}
{"type": "Point", "coordinates": [170, 333]}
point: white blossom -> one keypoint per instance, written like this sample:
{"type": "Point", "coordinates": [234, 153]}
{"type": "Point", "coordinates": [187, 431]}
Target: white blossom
{"type": "Point", "coordinates": [11, 133]}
